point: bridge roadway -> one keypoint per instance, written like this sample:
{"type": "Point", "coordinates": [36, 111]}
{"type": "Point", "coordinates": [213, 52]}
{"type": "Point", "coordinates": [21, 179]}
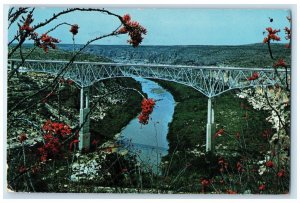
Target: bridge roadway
{"type": "Point", "coordinates": [210, 81]}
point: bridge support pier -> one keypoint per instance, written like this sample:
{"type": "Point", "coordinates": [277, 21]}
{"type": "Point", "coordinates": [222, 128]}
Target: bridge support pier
{"type": "Point", "coordinates": [210, 127]}
{"type": "Point", "coordinates": [84, 119]}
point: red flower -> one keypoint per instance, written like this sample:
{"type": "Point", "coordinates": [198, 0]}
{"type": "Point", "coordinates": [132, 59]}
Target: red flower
{"type": "Point", "coordinates": [126, 18]}
{"type": "Point", "coordinates": [219, 133]}
{"type": "Point", "coordinates": [205, 183]}
{"type": "Point", "coordinates": [27, 28]}
{"type": "Point", "coordinates": [280, 63]}
{"type": "Point", "coordinates": [74, 29]}
{"type": "Point", "coordinates": [122, 30]}
{"type": "Point", "coordinates": [269, 164]}
{"type": "Point", "coordinates": [281, 173]}
{"type": "Point", "coordinates": [254, 76]}
{"type": "Point", "coordinates": [26, 25]}
{"type": "Point", "coordinates": [147, 109]}
{"type": "Point", "coordinates": [262, 187]}
{"type": "Point", "coordinates": [54, 135]}
{"type": "Point", "coordinates": [271, 35]}
{"type": "Point", "coordinates": [46, 41]}
{"type": "Point", "coordinates": [136, 33]}
{"type": "Point", "coordinates": [134, 30]}
{"type": "Point", "coordinates": [22, 137]}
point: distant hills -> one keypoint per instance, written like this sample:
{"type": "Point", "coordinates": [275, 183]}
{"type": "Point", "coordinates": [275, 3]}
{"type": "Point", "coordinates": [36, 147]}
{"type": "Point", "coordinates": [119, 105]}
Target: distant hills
{"type": "Point", "coordinates": [252, 55]}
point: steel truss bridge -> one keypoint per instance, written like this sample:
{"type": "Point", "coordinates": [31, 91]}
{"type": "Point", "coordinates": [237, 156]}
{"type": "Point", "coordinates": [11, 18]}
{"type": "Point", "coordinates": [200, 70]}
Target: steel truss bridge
{"type": "Point", "coordinates": [210, 81]}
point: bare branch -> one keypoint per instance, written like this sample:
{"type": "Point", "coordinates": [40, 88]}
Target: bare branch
{"type": "Point", "coordinates": [55, 16]}
{"type": "Point", "coordinates": [13, 71]}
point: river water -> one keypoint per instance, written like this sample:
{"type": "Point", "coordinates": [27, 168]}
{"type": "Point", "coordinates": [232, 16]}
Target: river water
{"type": "Point", "coordinates": [149, 142]}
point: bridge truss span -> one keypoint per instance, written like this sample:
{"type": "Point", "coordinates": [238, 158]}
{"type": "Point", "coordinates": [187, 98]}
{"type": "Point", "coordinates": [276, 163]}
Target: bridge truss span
{"type": "Point", "coordinates": [211, 81]}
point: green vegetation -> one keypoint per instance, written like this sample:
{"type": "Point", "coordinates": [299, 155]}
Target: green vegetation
{"type": "Point", "coordinates": [188, 128]}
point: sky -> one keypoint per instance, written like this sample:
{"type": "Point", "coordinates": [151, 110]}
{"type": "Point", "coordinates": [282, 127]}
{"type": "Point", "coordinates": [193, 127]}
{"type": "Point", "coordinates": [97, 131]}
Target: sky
{"type": "Point", "coordinates": [174, 26]}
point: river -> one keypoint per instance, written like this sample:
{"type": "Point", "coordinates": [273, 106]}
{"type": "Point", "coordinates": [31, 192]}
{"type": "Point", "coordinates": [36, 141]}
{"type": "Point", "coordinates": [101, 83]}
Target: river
{"type": "Point", "coordinates": [149, 142]}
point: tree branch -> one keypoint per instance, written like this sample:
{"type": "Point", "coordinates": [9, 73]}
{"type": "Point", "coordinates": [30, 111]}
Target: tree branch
{"type": "Point", "coordinates": [55, 16]}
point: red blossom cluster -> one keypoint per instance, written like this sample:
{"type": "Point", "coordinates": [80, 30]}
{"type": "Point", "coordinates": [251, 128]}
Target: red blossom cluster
{"type": "Point", "coordinates": [280, 63]}
{"type": "Point", "coordinates": [51, 147]}
{"type": "Point", "coordinates": [47, 41]}
{"type": "Point", "coordinates": [126, 18]}
{"type": "Point", "coordinates": [269, 164]}
{"type": "Point", "coordinates": [219, 133]}
{"type": "Point", "coordinates": [134, 30]}
{"type": "Point", "coordinates": [57, 128]}
{"type": "Point", "coordinates": [44, 42]}
{"type": "Point", "coordinates": [271, 35]}
{"type": "Point", "coordinates": [147, 108]}
{"type": "Point", "coordinates": [26, 25]}
{"type": "Point", "coordinates": [54, 134]}
{"type": "Point", "coordinates": [254, 76]}
{"type": "Point", "coordinates": [74, 29]}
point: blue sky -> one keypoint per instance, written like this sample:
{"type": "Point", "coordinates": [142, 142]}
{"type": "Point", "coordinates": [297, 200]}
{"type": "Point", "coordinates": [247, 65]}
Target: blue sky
{"type": "Point", "coordinates": [170, 26]}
